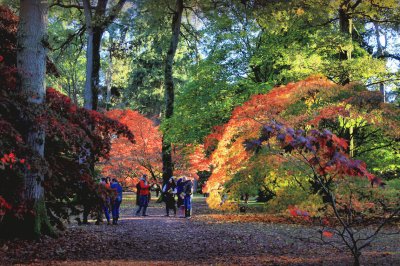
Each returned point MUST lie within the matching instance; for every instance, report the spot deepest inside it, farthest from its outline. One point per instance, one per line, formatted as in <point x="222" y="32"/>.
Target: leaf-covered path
<point x="204" y="240"/>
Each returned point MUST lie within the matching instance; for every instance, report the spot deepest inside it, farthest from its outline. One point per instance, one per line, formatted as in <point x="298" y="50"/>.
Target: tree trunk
<point x="169" y="89"/>
<point x="109" y="79"/>
<point x="96" y="25"/>
<point x="95" y="78"/>
<point x="346" y="27"/>
<point x="69" y="87"/>
<point x="74" y="88"/>
<point x="88" y="93"/>
<point x="379" y="54"/>
<point x="31" y="64"/>
<point x="356" y="257"/>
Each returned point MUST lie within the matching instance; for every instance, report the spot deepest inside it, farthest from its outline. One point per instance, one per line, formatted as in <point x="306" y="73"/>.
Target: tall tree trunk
<point x="109" y="79"/>
<point x="346" y="27"/>
<point x="31" y="64"/>
<point x="169" y="89"/>
<point x="95" y="78"/>
<point x="98" y="30"/>
<point x="88" y="93"/>
<point x="379" y="54"/>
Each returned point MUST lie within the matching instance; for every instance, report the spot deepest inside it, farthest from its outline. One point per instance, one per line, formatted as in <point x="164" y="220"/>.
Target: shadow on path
<point x="161" y="240"/>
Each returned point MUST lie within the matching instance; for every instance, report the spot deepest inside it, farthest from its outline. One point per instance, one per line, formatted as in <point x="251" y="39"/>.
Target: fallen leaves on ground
<point x="207" y="238"/>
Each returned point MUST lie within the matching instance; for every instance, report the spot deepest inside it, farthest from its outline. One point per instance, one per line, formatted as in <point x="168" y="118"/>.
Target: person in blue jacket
<point x="117" y="200"/>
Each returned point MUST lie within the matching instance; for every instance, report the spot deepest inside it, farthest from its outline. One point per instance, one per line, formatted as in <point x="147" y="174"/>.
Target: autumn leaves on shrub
<point x="303" y="146"/>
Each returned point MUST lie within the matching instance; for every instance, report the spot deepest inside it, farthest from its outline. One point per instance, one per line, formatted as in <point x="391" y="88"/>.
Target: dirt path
<point x="159" y="240"/>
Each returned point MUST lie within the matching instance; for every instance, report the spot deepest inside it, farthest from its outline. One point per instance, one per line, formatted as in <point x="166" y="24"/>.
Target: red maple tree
<point x="311" y="103"/>
<point x="129" y="160"/>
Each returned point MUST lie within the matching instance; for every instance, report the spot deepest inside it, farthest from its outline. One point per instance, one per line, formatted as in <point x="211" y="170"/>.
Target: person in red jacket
<point x="143" y="195"/>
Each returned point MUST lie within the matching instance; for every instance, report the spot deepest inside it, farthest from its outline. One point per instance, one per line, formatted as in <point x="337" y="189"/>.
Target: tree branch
<point x="113" y="13"/>
<point x="59" y="4"/>
<point x="70" y="37"/>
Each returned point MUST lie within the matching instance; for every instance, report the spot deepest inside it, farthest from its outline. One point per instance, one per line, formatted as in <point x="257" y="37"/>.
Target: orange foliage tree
<point x="312" y="103"/>
<point x="128" y="161"/>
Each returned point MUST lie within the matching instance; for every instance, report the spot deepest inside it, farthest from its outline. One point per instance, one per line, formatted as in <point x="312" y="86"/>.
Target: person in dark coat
<point x="169" y="191"/>
<point x="138" y="193"/>
<point x="187" y="191"/>
<point x="181" y="196"/>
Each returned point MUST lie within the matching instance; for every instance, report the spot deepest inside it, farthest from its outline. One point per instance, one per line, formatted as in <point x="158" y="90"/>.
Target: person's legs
<point x="144" y="203"/>
<point x="115" y="211"/>
<point x="99" y="211"/>
<point x="86" y="211"/>
<point x="106" y="213"/>
<point x="138" y="210"/>
<point x="117" y="208"/>
<point x="181" y="207"/>
<point x="140" y="205"/>
<point x="166" y="200"/>
<point x="188" y="205"/>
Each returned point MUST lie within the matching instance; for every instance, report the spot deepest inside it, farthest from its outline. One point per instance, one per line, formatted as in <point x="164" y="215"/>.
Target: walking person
<point x="138" y="193"/>
<point x="187" y="190"/>
<point x="169" y="191"/>
<point x="144" y="194"/>
<point x="117" y="200"/>
<point x="104" y="202"/>
<point x="181" y="196"/>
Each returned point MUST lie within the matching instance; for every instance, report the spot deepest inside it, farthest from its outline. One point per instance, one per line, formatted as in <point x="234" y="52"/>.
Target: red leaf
<point x="327" y="234"/>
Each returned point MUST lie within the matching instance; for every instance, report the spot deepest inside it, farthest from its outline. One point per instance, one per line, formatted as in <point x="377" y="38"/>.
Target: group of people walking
<point x="182" y="189"/>
<point x="113" y="202"/>
<point x="177" y="195"/>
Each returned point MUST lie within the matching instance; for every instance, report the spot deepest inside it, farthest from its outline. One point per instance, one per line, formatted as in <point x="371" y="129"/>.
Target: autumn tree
<point x="312" y="103"/>
<point x="129" y="160"/>
<point x="59" y="175"/>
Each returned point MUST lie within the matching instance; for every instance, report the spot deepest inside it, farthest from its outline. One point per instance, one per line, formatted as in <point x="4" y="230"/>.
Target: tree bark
<point x="95" y="78"/>
<point x="98" y="30"/>
<point x="74" y="88"/>
<point x="169" y="89"/>
<point x="380" y="54"/>
<point x="346" y="27"/>
<point x="88" y="93"/>
<point x="109" y="78"/>
<point x="31" y="64"/>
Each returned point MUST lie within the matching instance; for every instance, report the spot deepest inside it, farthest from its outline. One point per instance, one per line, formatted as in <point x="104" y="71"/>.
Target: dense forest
<point x="294" y="103"/>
